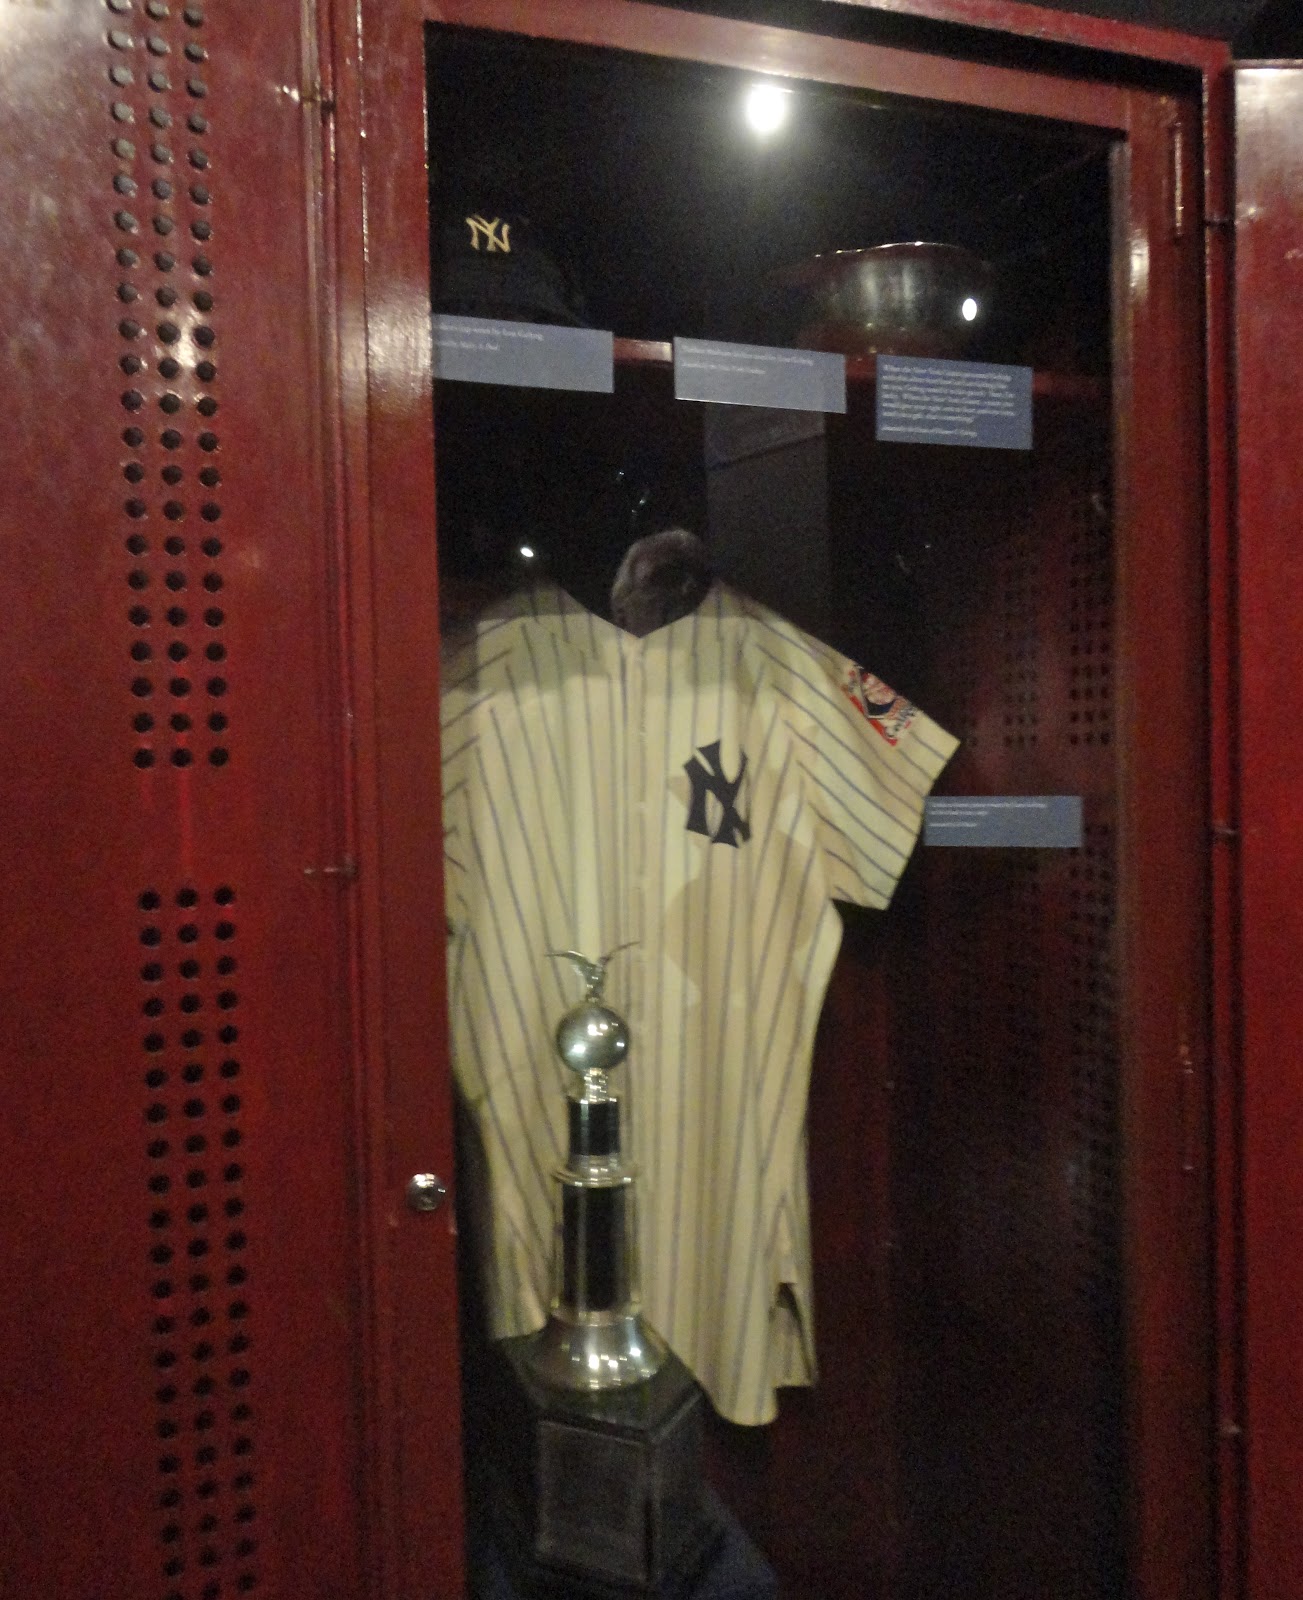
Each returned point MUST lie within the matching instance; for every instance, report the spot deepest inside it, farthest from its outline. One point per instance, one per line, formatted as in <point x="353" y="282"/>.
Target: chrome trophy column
<point x="595" y="1338"/>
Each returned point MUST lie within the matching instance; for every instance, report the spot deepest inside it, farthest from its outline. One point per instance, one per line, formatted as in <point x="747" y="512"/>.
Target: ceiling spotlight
<point x="527" y="552"/>
<point x="767" y="107"/>
<point x="968" y="311"/>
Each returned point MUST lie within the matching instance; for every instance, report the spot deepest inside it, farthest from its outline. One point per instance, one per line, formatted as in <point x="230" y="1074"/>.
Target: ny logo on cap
<point x="496" y="234"/>
<point x="708" y="778"/>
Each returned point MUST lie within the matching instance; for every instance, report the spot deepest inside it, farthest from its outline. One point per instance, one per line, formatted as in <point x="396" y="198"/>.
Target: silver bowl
<point x="917" y="298"/>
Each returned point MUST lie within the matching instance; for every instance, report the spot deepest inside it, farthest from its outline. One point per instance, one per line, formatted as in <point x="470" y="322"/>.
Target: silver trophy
<point x="595" y="1337"/>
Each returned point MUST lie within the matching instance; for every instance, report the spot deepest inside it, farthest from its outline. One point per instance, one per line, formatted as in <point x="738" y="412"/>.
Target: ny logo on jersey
<point x="496" y="234"/>
<point x="709" y="779"/>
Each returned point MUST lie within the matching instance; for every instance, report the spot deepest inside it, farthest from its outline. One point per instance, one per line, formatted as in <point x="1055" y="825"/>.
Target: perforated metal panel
<point x="1009" y="1138"/>
<point x="182" y="1342"/>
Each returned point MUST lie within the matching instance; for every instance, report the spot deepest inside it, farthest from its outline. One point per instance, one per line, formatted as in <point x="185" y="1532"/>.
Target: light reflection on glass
<point x="766" y="107"/>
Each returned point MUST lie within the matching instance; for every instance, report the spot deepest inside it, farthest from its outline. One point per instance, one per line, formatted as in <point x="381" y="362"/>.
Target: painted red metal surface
<point x="1033" y="22"/>
<point x="787" y="53"/>
<point x="1164" y="859"/>
<point x="1269" y="580"/>
<point x="179" y="1350"/>
<point x="1224" y="814"/>
<point x="387" y="475"/>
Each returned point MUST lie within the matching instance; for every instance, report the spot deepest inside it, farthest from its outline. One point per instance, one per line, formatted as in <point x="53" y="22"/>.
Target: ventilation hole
<point x="127" y="292"/>
<point x="161" y="153"/>
<point x="169" y="368"/>
<point x="198" y="158"/>
<point x="133" y="437"/>
<point x="173" y="545"/>
<point x="163" y="225"/>
<point x="160" y="118"/>
<point x="164" y="261"/>
<point x="143" y="758"/>
<point x="132" y="399"/>
<point x="177" y="617"/>
<point x="203" y="266"/>
<point x="170" y="402"/>
<point x="139" y="616"/>
<point x="214" y="617"/>
<point x="208" y="442"/>
<point x="214" y="652"/>
<point x="205" y="371"/>
<point x="217" y="687"/>
<point x="140" y="651"/>
<point x="170" y="439"/>
<point x="143" y="722"/>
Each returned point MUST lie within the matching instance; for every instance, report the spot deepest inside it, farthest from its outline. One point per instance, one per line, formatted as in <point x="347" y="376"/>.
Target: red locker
<point x="230" y="1348"/>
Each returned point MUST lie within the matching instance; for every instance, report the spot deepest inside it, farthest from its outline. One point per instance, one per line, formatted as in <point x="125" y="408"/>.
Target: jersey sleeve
<point x="869" y="759"/>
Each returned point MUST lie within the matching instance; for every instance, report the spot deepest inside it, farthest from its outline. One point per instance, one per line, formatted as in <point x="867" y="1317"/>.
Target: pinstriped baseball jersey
<point x="706" y="792"/>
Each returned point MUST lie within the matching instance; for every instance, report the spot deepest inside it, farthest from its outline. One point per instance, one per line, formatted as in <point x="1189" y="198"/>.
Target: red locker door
<point x="202" y="1294"/>
<point x="1269" y="356"/>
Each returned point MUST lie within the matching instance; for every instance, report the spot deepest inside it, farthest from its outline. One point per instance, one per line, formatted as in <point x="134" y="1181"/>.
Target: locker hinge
<point x="315" y="95"/>
<point x="1219" y="224"/>
<point x="1225" y="833"/>
<point x="346" y="871"/>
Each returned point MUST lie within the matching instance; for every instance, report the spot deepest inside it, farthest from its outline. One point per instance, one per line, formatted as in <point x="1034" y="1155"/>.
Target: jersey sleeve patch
<point x="889" y="713"/>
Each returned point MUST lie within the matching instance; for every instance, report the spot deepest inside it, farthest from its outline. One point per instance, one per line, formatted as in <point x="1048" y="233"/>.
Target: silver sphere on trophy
<point x="595" y="1337"/>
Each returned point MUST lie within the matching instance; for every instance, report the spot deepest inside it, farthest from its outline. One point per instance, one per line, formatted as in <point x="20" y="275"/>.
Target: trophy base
<point x="597" y="1354"/>
<point x="598" y="1496"/>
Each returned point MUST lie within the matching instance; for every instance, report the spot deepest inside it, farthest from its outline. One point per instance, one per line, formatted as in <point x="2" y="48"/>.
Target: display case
<point x="242" y="510"/>
<point x="979" y="1087"/>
